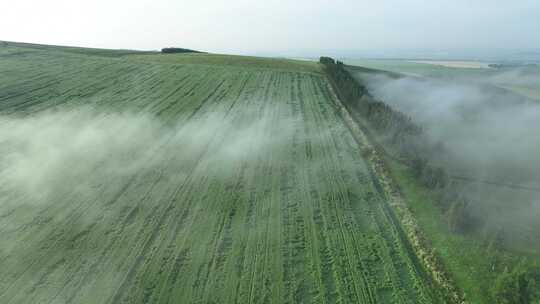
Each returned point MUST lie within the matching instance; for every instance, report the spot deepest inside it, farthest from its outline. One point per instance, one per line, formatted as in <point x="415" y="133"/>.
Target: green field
<point x="188" y="179"/>
<point x="531" y="93"/>
<point x="411" y="68"/>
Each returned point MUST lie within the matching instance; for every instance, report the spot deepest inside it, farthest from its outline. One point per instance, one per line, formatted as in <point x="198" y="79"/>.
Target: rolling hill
<point x="188" y="178"/>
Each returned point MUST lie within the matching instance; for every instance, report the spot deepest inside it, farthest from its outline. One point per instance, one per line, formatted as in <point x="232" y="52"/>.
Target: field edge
<point x="397" y="203"/>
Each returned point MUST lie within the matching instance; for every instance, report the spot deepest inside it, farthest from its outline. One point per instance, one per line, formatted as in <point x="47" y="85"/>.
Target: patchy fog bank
<point x="489" y="135"/>
<point x="77" y="150"/>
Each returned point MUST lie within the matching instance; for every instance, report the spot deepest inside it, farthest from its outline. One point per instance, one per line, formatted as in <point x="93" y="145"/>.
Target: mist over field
<point x="47" y="151"/>
<point x="488" y="134"/>
<point x="55" y="152"/>
<point x="522" y="76"/>
<point x="202" y="182"/>
<point x="157" y="151"/>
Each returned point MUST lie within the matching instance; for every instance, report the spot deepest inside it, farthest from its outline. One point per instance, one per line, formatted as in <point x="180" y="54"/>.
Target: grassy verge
<point x="473" y="265"/>
<point x="465" y="259"/>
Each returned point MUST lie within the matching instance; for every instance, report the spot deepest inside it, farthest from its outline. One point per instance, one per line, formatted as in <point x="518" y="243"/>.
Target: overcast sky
<point x="249" y="26"/>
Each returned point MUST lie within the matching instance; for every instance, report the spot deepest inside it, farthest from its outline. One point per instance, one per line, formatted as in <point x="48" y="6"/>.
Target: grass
<point x="251" y="190"/>
<point x="473" y="264"/>
<point x="233" y="61"/>
<point x="532" y="93"/>
<point x="464" y="257"/>
<point x="418" y="69"/>
<point x="70" y="49"/>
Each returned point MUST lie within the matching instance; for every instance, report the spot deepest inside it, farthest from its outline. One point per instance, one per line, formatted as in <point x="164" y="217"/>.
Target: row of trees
<point x="516" y="284"/>
<point x="406" y="138"/>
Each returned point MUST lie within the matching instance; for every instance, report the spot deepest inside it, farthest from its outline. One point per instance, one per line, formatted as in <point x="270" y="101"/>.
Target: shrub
<point x="172" y="50"/>
<point x="520" y="286"/>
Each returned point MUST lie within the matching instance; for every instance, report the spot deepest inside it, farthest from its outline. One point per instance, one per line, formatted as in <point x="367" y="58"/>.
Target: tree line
<point x="175" y="50"/>
<point x="403" y="136"/>
<point x="406" y="138"/>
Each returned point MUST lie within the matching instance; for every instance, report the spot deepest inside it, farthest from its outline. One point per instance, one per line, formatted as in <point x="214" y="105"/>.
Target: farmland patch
<point x="133" y="181"/>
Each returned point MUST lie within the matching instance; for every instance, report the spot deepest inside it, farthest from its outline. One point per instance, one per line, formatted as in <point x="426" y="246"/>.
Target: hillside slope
<point x="151" y="180"/>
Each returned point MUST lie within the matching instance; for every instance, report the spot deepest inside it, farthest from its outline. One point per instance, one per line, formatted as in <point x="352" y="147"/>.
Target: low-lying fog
<point x="490" y="134"/>
<point x="53" y="152"/>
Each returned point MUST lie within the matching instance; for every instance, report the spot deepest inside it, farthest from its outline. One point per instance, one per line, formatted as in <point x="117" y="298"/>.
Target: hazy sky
<point x="274" y="26"/>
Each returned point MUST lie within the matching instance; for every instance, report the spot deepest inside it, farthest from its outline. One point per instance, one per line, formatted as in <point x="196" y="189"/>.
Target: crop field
<point x="132" y="179"/>
<point x="426" y="68"/>
<point x="531" y="93"/>
<point x="457" y="64"/>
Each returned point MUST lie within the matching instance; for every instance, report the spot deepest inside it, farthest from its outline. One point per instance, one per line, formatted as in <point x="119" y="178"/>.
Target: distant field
<point x="532" y="93"/>
<point x="417" y="68"/>
<point x="232" y="61"/>
<point x="456" y="64"/>
<point x="26" y="47"/>
<point x="464" y="71"/>
<point x="187" y="178"/>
